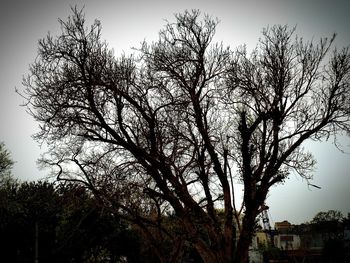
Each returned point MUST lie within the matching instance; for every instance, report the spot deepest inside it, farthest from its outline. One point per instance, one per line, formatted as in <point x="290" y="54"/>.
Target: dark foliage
<point x="72" y="226"/>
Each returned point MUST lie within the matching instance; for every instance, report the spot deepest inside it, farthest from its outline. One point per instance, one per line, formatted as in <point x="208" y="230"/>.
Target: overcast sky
<point x="127" y="23"/>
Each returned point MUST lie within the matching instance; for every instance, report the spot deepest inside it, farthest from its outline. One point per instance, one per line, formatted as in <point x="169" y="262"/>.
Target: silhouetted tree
<point x="171" y="129"/>
<point x="28" y="219"/>
<point x="6" y="164"/>
<point x="87" y="232"/>
<point x="284" y="93"/>
<point x="330" y="226"/>
<point x="62" y="224"/>
<point x="329" y="216"/>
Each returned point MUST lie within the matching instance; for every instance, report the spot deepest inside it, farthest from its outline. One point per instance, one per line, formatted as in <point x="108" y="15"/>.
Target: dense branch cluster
<point x="170" y="130"/>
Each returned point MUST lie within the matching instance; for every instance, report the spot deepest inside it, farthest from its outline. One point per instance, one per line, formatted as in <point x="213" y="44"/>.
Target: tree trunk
<point x="245" y="239"/>
<point x="214" y="255"/>
<point x="242" y="250"/>
<point x="207" y="255"/>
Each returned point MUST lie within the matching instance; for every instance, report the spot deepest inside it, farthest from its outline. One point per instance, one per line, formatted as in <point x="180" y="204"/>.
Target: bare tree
<point x="171" y="130"/>
<point x="281" y="95"/>
<point x="6" y="164"/>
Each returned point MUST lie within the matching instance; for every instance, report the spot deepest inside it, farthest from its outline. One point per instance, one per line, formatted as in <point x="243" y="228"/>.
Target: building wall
<point x="287" y="241"/>
<point x="283" y="226"/>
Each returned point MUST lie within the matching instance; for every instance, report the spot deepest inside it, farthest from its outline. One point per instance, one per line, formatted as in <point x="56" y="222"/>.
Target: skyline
<point x="126" y="25"/>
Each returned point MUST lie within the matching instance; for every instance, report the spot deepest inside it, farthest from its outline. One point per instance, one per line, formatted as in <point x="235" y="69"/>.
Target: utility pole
<point x="36" y="248"/>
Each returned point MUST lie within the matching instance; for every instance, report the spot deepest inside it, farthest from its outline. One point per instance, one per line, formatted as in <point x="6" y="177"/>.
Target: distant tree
<point x="28" y="219"/>
<point x="6" y="164"/>
<point x="329" y="216"/>
<point x="330" y="226"/>
<point x="63" y="224"/>
<point x="172" y="130"/>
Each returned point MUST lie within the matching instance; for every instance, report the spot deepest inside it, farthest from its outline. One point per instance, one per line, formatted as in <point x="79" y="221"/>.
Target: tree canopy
<point x="172" y="128"/>
<point x="63" y="223"/>
<point x="329" y="216"/>
<point x="6" y="163"/>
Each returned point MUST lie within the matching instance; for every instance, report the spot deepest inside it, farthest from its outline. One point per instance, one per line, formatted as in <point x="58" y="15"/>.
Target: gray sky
<point x="125" y="24"/>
